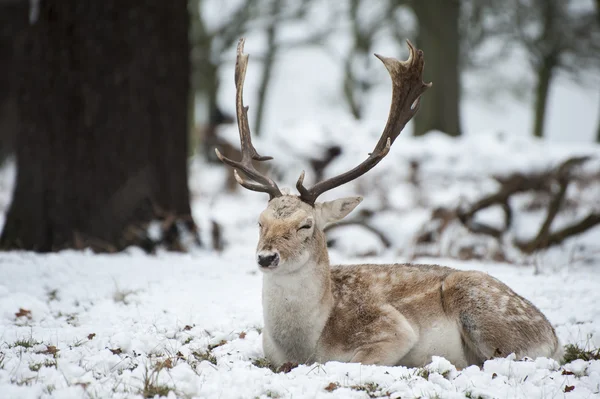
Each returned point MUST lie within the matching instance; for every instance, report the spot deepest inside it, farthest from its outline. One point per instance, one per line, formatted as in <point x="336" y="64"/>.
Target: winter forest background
<point x="127" y="264"/>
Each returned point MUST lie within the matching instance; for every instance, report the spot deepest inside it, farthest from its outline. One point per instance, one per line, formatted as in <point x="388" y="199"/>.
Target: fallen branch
<point x="560" y="177"/>
<point x="382" y="237"/>
<point x="559" y="236"/>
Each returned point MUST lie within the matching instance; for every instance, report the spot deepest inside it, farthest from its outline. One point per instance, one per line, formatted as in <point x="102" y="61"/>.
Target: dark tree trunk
<point x="439" y="38"/>
<point x="544" y="78"/>
<point x="14" y="20"/>
<point x="102" y="144"/>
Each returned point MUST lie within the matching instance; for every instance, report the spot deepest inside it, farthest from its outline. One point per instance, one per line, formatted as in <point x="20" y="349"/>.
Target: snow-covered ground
<point x="102" y="326"/>
<point x="75" y="324"/>
<point x="79" y="325"/>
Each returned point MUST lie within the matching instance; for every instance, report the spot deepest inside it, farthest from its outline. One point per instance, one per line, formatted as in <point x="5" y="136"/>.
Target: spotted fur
<point x="398" y="314"/>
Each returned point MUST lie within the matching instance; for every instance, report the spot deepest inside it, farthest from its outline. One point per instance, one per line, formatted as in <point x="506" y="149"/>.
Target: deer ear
<point x="334" y="211"/>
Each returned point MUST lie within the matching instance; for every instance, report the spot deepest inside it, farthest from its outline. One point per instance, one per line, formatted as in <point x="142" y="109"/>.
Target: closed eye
<point x="306" y="226"/>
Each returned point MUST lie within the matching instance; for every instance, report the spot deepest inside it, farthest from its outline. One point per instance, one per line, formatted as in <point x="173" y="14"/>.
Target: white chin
<point x="267" y="269"/>
<point x="292" y="266"/>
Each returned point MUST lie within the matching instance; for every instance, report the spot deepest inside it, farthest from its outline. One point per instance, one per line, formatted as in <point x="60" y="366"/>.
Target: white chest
<point x="294" y="320"/>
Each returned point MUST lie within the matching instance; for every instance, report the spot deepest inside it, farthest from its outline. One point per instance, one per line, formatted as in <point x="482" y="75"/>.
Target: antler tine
<point x="249" y="153"/>
<point x="407" y="88"/>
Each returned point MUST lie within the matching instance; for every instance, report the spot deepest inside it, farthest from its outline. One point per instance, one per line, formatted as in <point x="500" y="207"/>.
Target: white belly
<point x="439" y="339"/>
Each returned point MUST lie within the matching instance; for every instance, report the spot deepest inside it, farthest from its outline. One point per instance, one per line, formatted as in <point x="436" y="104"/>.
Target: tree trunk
<point x="14" y="20"/>
<point x="439" y="38"/>
<point x="544" y="77"/>
<point x="102" y="143"/>
<point x="267" y="66"/>
<point x="205" y="82"/>
<point x="352" y="92"/>
<point x="357" y="87"/>
<point x="598" y="127"/>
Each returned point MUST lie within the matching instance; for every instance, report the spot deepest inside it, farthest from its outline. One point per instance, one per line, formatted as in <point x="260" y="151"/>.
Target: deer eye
<point x="305" y="226"/>
<point x="259" y="225"/>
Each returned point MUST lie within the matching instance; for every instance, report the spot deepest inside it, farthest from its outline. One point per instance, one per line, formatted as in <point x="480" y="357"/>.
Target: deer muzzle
<point x="267" y="259"/>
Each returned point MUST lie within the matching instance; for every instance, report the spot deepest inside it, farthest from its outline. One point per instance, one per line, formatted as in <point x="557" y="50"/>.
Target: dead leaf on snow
<point x="332" y="386"/>
<point x="23" y="313"/>
<point x="51" y="350"/>
<point x="116" y="351"/>
<point x="168" y="364"/>
<point x="213" y="346"/>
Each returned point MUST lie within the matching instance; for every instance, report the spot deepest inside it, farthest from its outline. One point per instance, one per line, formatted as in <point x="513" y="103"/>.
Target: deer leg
<point x="396" y="338"/>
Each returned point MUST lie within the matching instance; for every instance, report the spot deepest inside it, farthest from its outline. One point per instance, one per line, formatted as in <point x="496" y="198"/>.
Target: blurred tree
<point x="208" y="46"/>
<point x="14" y="19"/>
<point x="274" y="9"/>
<point x="357" y="83"/>
<point x="102" y="143"/>
<point x="481" y="21"/>
<point x="559" y="36"/>
<point x="368" y="22"/>
<point x="279" y="12"/>
<point x="446" y="31"/>
<point x="439" y="37"/>
<point x="212" y="44"/>
<point x="598" y="20"/>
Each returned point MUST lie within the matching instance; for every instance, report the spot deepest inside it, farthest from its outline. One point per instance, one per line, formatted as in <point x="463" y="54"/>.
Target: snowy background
<point x="306" y="82"/>
<point x="75" y="324"/>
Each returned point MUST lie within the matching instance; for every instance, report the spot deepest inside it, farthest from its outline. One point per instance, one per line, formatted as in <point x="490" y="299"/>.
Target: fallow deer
<point x="398" y="314"/>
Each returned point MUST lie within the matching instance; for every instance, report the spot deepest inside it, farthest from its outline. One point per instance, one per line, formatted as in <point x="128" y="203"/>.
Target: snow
<point x="103" y="326"/>
<point x="75" y="324"/>
<point x="149" y="309"/>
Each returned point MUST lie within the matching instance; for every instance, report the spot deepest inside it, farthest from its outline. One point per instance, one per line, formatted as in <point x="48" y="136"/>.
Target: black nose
<point x="268" y="260"/>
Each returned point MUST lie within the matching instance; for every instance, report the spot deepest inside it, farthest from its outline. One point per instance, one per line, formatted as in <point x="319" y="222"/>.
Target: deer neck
<point x="296" y="306"/>
<point x="309" y="286"/>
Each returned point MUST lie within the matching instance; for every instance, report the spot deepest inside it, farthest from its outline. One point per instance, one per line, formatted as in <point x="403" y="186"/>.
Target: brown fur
<point x="383" y="314"/>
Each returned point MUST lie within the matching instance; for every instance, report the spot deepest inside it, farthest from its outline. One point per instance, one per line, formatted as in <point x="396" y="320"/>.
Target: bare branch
<point x="517" y="183"/>
<point x="382" y="237"/>
<point x="559" y="236"/>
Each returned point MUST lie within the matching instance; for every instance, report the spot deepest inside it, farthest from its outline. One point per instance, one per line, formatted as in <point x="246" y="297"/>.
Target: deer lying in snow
<point x="398" y="314"/>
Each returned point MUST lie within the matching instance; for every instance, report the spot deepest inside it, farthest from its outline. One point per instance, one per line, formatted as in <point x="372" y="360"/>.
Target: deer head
<point x="291" y="227"/>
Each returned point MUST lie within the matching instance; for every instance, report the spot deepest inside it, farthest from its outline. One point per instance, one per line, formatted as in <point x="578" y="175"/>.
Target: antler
<point x="408" y="85"/>
<point x="261" y="182"/>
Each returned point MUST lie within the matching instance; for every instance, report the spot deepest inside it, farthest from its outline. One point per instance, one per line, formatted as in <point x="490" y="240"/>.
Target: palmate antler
<point x="407" y="88"/>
